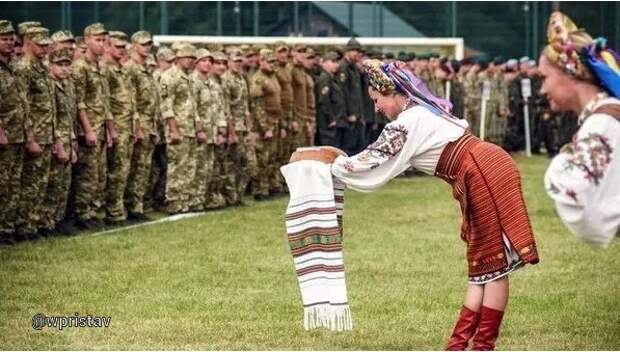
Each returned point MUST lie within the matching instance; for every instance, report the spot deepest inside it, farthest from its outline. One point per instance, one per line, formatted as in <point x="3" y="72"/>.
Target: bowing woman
<point x="485" y="181"/>
<point x="582" y="75"/>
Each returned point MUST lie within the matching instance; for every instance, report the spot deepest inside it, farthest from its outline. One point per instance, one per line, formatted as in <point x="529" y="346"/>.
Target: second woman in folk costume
<point x="582" y="75"/>
<point x="484" y="179"/>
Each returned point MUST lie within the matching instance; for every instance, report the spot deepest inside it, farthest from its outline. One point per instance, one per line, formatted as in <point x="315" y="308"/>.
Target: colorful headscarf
<point x="580" y="56"/>
<point x="395" y="76"/>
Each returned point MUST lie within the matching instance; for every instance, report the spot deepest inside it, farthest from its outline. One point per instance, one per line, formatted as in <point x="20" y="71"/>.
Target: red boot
<point x="464" y="329"/>
<point x="488" y="329"/>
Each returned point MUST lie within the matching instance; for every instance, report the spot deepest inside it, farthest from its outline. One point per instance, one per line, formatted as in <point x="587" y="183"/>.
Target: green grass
<point x="225" y="280"/>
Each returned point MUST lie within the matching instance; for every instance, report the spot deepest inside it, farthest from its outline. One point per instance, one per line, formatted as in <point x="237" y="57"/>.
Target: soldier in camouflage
<point x="178" y="108"/>
<point x="38" y="86"/>
<point x="300" y="96"/>
<point x="122" y="106"/>
<point x="65" y="142"/>
<point x="145" y="134"/>
<point x="267" y="111"/>
<point x="95" y="130"/>
<point x="237" y="95"/>
<point x="13" y="112"/>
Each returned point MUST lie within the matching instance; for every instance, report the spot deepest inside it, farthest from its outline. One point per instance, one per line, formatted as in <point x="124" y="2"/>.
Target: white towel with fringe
<point x="314" y="227"/>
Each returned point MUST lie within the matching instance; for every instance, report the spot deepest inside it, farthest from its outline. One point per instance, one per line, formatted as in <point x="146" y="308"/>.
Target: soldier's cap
<point x="403" y="56"/>
<point x="280" y="45"/>
<point x="512" y="63"/>
<point x="23" y="26"/>
<point x="165" y="53"/>
<point x="434" y="55"/>
<point x="424" y="56"/>
<point x="331" y="56"/>
<point x="456" y="65"/>
<point x="412" y="56"/>
<point x="389" y="56"/>
<point x="6" y="27"/>
<point x="219" y="56"/>
<point x="236" y="55"/>
<point x="186" y="50"/>
<point x="467" y="61"/>
<point x="267" y="55"/>
<point x="118" y="38"/>
<point x="79" y="41"/>
<point x="60" y="55"/>
<point x="95" y="29"/>
<point x="524" y="59"/>
<point x="310" y="53"/>
<point x="300" y="48"/>
<point x="63" y="36"/>
<point x="203" y="53"/>
<point x="215" y="47"/>
<point x="176" y="45"/>
<point x="498" y="60"/>
<point x="38" y="35"/>
<point x="532" y="63"/>
<point x="353" y="44"/>
<point x="250" y="51"/>
<point x="142" y="38"/>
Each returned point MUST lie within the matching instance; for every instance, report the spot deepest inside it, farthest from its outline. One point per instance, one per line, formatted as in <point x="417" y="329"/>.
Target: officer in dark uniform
<point x="349" y="131"/>
<point x="330" y="101"/>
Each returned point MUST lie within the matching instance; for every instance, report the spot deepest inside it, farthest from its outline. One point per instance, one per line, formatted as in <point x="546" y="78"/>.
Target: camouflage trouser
<point x="250" y="143"/>
<point x="119" y="162"/>
<point x="472" y="115"/>
<point x="11" y="159"/>
<point x="181" y="163"/>
<point x="58" y="184"/>
<point x="35" y="174"/>
<point x="237" y="165"/>
<point x="217" y="184"/>
<point x="265" y="157"/>
<point x="308" y="135"/>
<point x="495" y="126"/>
<point x="199" y="181"/>
<point x="138" y="182"/>
<point x="90" y="181"/>
<point x="276" y="181"/>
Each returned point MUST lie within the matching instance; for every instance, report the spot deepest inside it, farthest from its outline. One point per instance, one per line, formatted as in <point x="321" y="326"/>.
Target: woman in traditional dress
<point x="485" y="180"/>
<point x="582" y="75"/>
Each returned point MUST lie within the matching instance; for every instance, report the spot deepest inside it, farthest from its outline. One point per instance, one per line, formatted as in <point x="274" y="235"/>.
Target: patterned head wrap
<point x="580" y="56"/>
<point x="395" y="76"/>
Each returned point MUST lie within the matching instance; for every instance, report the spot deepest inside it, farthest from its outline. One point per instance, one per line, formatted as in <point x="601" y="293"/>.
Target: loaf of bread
<point x="322" y="154"/>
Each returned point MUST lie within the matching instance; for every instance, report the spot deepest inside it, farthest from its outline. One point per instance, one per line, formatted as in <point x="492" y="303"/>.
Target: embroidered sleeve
<point x="381" y="161"/>
<point x="578" y="180"/>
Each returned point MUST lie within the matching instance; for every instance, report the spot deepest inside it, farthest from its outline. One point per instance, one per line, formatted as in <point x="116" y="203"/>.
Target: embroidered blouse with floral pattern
<point x="416" y="138"/>
<point x="584" y="178"/>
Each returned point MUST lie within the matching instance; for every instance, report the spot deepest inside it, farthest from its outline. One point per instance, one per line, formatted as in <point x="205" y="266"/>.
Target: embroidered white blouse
<point x="584" y="178"/>
<point x="416" y="138"/>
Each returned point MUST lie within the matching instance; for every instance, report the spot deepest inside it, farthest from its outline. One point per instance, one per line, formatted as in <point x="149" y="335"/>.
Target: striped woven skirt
<point x="495" y="224"/>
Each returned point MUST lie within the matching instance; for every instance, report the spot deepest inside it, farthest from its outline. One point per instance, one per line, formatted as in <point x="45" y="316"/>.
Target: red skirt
<point x="487" y="184"/>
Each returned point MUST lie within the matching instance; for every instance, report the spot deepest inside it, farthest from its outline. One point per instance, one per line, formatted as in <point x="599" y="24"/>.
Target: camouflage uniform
<point x="13" y="112"/>
<point x="39" y="89"/>
<point x="178" y="103"/>
<point x="285" y="79"/>
<point x="495" y="122"/>
<point x="472" y="88"/>
<point x="300" y="101"/>
<point x="237" y="94"/>
<point x="147" y="103"/>
<point x="122" y="106"/>
<point x="220" y="191"/>
<point x="60" y="172"/>
<point x="267" y="111"/>
<point x="92" y="94"/>
<point x="205" y="152"/>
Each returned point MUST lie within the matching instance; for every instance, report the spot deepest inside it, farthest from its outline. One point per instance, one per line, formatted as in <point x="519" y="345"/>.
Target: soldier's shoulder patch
<point x="343" y="77"/>
<point x="325" y="90"/>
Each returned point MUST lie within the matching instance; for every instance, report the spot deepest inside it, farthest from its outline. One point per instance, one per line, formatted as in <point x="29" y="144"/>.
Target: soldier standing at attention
<point x="330" y="103"/>
<point x="122" y="106"/>
<point x="156" y="194"/>
<point x="95" y="129"/>
<point x="309" y="128"/>
<point x="13" y="111"/>
<point x="285" y="79"/>
<point x="178" y="108"/>
<point x="207" y="131"/>
<point x="145" y="133"/>
<point x="300" y="98"/>
<point x="349" y="135"/>
<point x="36" y="83"/>
<point x="65" y="141"/>
<point x="237" y="94"/>
<point x="265" y="96"/>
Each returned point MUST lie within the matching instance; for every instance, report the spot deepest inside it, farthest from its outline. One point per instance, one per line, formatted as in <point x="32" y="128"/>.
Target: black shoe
<point x="260" y="197"/>
<point x="96" y="224"/>
<point x="43" y="232"/>
<point x="138" y="217"/>
<point x="9" y="239"/>
<point x="83" y="225"/>
<point x="114" y="222"/>
<point x="67" y="228"/>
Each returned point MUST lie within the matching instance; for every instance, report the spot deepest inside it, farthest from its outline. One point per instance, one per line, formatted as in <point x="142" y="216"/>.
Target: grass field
<point x="225" y="280"/>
